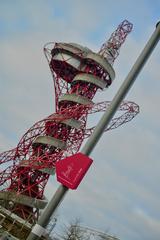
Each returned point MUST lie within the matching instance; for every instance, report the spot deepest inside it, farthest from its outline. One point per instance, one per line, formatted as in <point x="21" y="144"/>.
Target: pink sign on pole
<point x="71" y="170"/>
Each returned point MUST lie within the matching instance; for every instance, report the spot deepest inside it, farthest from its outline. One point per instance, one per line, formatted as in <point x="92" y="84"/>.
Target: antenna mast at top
<point x="110" y="49"/>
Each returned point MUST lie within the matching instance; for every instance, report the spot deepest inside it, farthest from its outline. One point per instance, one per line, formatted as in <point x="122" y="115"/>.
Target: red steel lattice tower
<point x="78" y="73"/>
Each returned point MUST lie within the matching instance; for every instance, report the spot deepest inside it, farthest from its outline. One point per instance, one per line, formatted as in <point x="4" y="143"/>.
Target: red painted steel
<point x="26" y="169"/>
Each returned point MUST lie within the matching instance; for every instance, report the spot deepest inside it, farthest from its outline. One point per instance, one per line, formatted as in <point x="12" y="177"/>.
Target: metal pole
<point x="39" y="229"/>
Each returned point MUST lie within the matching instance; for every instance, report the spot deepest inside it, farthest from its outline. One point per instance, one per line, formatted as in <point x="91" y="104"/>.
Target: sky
<point x="121" y="191"/>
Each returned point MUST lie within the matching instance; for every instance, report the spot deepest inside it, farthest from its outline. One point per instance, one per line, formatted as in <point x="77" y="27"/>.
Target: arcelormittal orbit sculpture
<point x="78" y="73"/>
